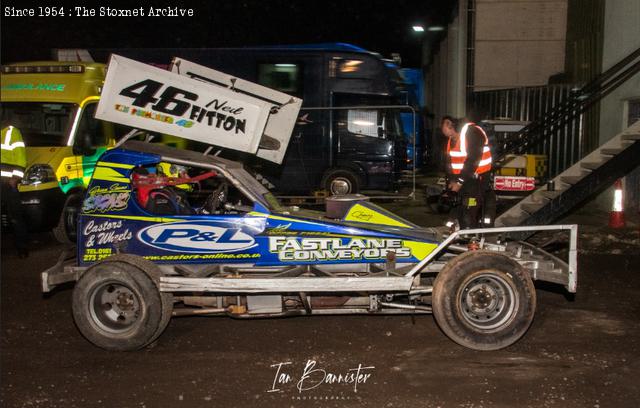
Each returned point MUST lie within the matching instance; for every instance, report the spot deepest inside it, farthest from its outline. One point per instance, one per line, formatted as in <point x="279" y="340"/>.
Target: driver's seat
<point x="168" y="200"/>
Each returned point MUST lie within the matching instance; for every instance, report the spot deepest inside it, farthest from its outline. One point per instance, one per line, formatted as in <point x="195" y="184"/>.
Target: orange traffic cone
<point x="616" y="216"/>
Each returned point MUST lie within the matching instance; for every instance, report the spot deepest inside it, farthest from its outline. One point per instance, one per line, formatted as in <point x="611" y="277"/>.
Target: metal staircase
<point x="595" y="172"/>
<point x="566" y="111"/>
<point x="591" y="174"/>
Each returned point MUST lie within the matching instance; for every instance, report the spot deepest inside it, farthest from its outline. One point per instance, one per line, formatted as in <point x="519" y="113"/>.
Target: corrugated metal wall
<point x="565" y="145"/>
<point x="585" y="27"/>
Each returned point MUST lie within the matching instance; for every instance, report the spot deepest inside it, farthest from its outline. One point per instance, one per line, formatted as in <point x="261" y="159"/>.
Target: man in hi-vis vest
<point x="469" y="159"/>
<point x="13" y="163"/>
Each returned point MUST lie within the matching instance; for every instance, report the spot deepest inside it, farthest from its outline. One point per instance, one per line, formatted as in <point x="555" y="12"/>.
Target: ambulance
<point x="53" y="104"/>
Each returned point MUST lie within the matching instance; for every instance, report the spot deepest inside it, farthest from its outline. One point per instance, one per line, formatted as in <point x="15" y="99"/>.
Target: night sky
<point x="382" y="26"/>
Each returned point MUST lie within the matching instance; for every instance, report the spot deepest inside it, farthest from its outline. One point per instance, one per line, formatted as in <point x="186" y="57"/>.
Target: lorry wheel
<point x="117" y="306"/>
<point x="484" y="300"/>
<point x="341" y="182"/>
<point x="66" y="230"/>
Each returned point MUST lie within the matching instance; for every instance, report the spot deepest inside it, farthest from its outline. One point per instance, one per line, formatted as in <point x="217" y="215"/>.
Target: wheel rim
<point x="114" y="307"/>
<point x="340" y="186"/>
<point x="488" y="301"/>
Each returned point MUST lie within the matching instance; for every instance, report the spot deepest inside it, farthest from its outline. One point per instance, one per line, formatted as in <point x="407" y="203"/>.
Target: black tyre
<point x="341" y="182"/>
<point x="484" y="300"/>
<point x="154" y="272"/>
<point x="66" y="230"/>
<point x="117" y="306"/>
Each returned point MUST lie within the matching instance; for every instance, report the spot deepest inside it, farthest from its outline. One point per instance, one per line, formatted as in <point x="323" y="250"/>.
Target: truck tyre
<point x="341" y="182"/>
<point x="66" y="230"/>
<point x="483" y="300"/>
<point x="117" y="306"/>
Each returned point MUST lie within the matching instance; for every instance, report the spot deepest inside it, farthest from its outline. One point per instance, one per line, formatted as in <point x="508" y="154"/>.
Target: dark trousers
<point x="476" y="206"/>
<point x="15" y="213"/>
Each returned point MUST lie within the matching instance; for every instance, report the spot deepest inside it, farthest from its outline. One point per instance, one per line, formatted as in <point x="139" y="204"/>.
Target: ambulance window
<point x="91" y="130"/>
<point x="284" y="77"/>
<point x="41" y="124"/>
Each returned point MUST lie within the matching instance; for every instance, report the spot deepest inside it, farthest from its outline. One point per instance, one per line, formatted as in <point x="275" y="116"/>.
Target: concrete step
<point x="631" y="136"/>
<point x="611" y="152"/>
<point x="591" y="165"/>
<point x="531" y="208"/>
<point x="550" y="195"/>
<point x="509" y="221"/>
<point x="571" y="179"/>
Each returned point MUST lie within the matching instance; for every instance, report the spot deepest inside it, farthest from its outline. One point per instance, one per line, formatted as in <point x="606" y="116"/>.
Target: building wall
<point x="445" y="82"/>
<point x="518" y="42"/>
<point x="621" y="37"/>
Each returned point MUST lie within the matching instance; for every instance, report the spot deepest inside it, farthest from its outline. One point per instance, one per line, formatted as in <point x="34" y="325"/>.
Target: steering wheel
<point x="216" y="199"/>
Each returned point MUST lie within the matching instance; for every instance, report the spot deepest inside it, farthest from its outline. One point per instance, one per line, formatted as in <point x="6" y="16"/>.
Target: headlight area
<point x="38" y="174"/>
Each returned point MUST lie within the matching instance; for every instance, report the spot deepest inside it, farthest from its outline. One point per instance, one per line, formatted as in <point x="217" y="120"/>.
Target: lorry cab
<point x="53" y="104"/>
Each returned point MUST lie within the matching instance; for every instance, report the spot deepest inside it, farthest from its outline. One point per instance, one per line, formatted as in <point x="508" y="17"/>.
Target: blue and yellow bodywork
<point x="113" y="221"/>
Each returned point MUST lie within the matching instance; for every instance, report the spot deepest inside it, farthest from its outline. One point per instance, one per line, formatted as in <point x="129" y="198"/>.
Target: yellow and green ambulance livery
<point x="53" y="105"/>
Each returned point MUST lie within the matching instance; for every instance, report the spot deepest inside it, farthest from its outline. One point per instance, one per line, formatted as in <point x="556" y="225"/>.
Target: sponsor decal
<point x="330" y="249"/>
<point x="196" y="237"/>
<point x="104" y="233"/>
<point x="101" y="199"/>
<point x="150" y="98"/>
<point x="96" y="254"/>
<point x="362" y="215"/>
<point x="197" y="257"/>
<point x="168" y="102"/>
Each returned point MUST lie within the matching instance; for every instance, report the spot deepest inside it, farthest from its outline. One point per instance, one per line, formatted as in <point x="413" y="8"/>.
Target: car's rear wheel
<point x="484" y="300"/>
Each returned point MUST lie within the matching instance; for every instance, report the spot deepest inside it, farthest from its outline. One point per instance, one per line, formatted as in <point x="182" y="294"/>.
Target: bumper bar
<point x="63" y="271"/>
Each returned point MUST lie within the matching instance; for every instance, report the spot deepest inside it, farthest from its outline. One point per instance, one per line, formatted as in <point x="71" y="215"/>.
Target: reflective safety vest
<point x="14" y="155"/>
<point x="458" y="152"/>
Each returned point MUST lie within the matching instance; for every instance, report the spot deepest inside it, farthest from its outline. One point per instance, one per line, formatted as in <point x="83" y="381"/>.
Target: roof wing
<point x="146" y="97"/>
<point x="284" y="110"/>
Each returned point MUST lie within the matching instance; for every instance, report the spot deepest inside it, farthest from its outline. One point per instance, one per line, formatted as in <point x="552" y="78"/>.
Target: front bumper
<point x="63" y="271"/>
<point x="42" y="207"/>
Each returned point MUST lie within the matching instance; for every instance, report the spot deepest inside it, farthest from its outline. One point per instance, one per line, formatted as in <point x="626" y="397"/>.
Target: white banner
<point x="146" y="97"/>
<point x="282" y="119"/>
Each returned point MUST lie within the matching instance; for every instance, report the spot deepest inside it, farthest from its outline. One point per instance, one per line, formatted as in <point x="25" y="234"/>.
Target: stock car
<point x="165" y="232"/>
